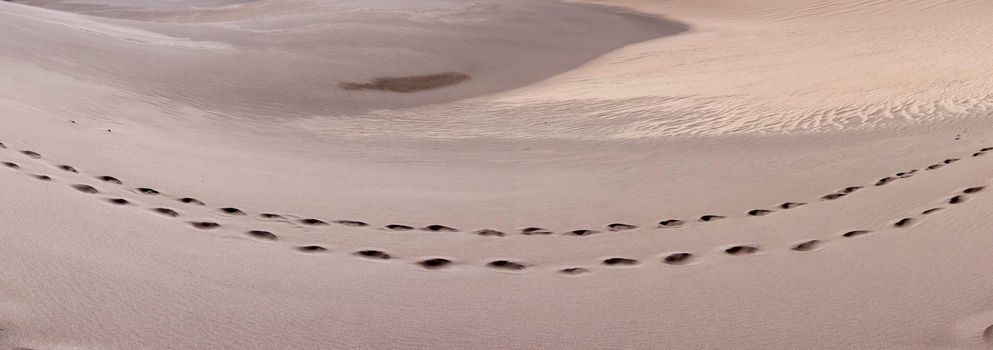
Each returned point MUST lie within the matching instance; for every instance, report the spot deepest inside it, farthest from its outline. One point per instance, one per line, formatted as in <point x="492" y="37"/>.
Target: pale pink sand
<point x="581" y="150"/>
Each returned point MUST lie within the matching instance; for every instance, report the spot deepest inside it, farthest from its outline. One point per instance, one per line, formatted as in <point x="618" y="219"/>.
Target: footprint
<point x="271" y="216"/>
<point x="855" y="233"/>
<point x="68" y="168"/>
<point x="935" y="166"/>
<point x="573" y="271"/>
<point x="205" y="225"/>
<point x="620" y="262"/>
<point x="506" y="265"/>
<point x="930" y="211"/>
<point x="621" y="227"/>
<point x="43" y="177"/>
<point x="395" y="227"/>
<point x="490" y="233"/>
<point x="233" y="211"/>
<point x="262" y="235"/>
<point x="118" y="201"/>
<point x="32" y="154"/>
<point x="535" y="231"/>
<point x="85" y="188"/>
<point x="790" y="205"/>
<point x="373" y="254"/>
<point x="904" y="222"/>
<point x="678" y="259"/>
<point x="439" y="228"/>
<point x="885" y="180"/>
<point x="807" y="246"/>
<point x="958" y="199"/>
<point x="148" y="191"/>
<point x="759" y="212"/>
<point x="671" y="223"/>
<point x="351" y="223"/>
<point x="741" y="250"/>
<point x="2" y="146"/>
<point x="977" y="154"/>
<point x="166" y="212"/>
<point x="110" y="179"/>
<point x="189" y="200"/>
<point x="851" y="189"/>
<point x="435" y="263"/>
<point x="986" y="149"/>
<point x="313" y="222"/>
<point x="583" y="232"/>
<point x="832" y="196"/>
<point x="906" y="174"/>
<point x="312" y="249"/>
<point x="951" y="160"/>
<point x="712" y="217"/>
<point x="11" y="165"/>
<point x="973" y="189"/>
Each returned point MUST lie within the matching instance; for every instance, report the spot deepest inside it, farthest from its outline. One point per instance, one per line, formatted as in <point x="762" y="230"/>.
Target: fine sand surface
<point x="748" y="174"/>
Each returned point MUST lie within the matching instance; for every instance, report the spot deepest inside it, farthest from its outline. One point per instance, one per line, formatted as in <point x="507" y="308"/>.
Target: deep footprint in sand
<point x="671" y="223"/>
<point x="373" y="254"/>
<point x="312" y="249"/>
<point x="855" y="233"/>
<point x="905" y="222"/>
<point x="68" y="168"/>
<point x="620" y="262"/>
<point x="582" y="232"/>
<point x="147" y="191"/>
<point x="832" y="196"/>
<point x="32" y="154"/>
<point x="118" y="201"/>
<point x="313" y="222"/>
<point x="807" y="246"/>
<point x="435" y="263"/>
<point x="741" y="250"/>
<point x="621" y="227"/>
<point x="85" y="188"/>
<point x="439" y="228"/>
<point x="110" y="179"/>
<point x="260" y="234"/>
<point x="680" y="258"/>
<point x="506" y="265"/>
<point x="759" y="212"/>
<point x="205" y="225"/>
<point x="489" y="233"/>
<point x="708" y="218"/>
<point x="232" y="211"/>
<point x="11" y="165"/>
<point x="193" y="201"/>
<point x="535" y="231"/>
<point x="971" y="190"/>
<point x="573" y="271"/>
<point x="885" y="180"/>
<point x="931" y="211"/>
<point x="958" y="199"/>
<point x="351" y="223"/>
<point x="166" y="212"/>
<point x="395" y="227"/>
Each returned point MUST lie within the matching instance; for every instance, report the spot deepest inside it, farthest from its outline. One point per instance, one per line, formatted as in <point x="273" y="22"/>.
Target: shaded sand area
<point x="662" y="195"/>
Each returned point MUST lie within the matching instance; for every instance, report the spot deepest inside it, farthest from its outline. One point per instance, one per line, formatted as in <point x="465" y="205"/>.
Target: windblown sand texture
<point x="496" y="174"/>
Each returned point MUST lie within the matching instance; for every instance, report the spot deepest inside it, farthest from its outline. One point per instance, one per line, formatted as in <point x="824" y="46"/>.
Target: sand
<point x="756" y="174"/>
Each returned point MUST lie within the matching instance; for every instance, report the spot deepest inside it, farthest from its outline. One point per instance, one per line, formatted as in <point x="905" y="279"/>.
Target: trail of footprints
<point x="439" y="263"/>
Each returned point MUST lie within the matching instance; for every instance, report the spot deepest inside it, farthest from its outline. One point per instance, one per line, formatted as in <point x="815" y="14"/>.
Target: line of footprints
<point x="437" y="263"/>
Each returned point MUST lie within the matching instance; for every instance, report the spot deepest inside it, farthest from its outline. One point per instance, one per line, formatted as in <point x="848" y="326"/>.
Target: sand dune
<point x="748" y="174"/>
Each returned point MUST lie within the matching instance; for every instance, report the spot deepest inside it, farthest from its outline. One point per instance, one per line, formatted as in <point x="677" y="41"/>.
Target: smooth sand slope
<point x="786" y="174"/>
